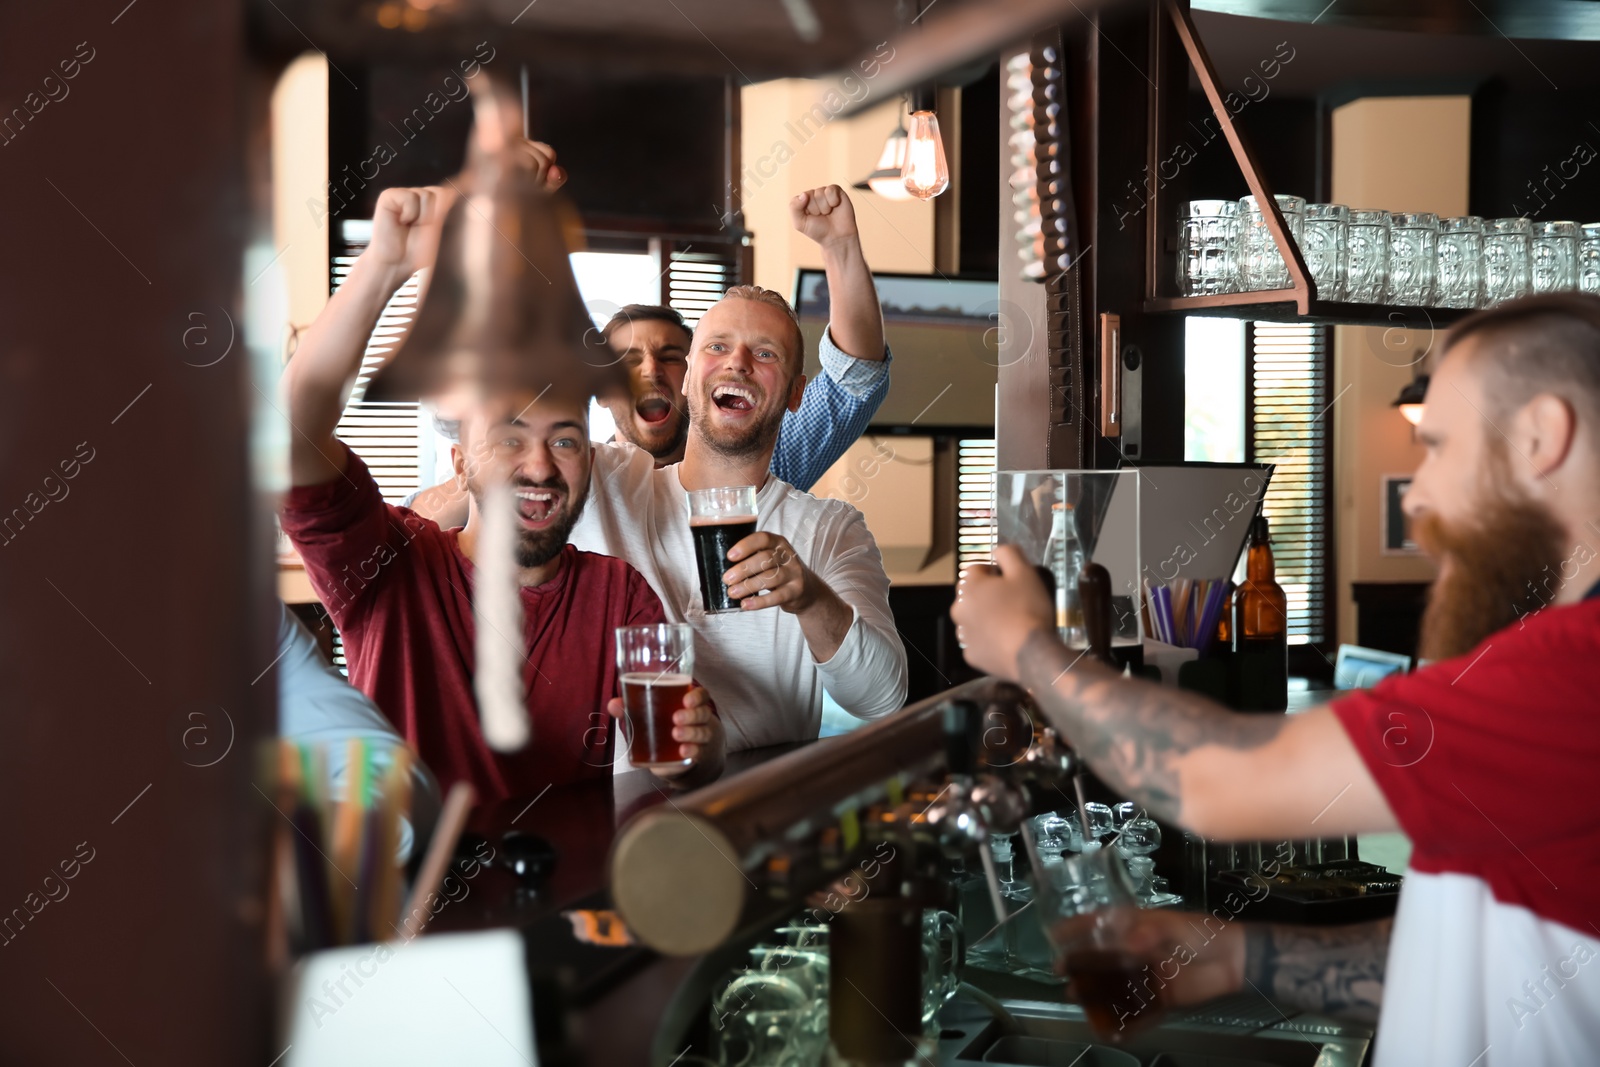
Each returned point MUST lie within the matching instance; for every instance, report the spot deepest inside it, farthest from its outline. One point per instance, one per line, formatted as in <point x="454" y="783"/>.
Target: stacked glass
<point x="1208" y="248"/>
<point x="1460" y="270"/>
<point x="1413" y="246"/>
<point x="1554" y="257"/>
<point x="1326" y="248"/>
<point x="1367" y="275"/>
<point x="1261" y="265"/>
<point x="1507" y="250"/>
<point x="1589" y="257"/>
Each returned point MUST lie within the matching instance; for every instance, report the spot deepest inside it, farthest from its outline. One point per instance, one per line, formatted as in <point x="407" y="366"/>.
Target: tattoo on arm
<point x="1132" y="732"/>
<point x="1330" y="970"/>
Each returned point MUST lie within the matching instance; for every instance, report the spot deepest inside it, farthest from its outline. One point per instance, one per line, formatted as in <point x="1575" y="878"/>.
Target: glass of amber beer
<point x="1085" y="901"/>
<point x="656" y="666"/>
<point x="719" y="519"/>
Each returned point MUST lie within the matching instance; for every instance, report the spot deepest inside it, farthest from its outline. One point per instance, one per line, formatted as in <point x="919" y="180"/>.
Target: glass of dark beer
<point x="1086" y="901"/>
<point x="719" y="519"/>
<point x="656" y="666"/>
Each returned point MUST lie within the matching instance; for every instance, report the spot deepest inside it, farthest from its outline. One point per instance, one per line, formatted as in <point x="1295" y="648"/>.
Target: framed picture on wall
<point x="1397" y="540"/>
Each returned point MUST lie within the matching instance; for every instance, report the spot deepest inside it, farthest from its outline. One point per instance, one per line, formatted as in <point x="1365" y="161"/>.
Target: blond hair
<point x="775" y="299"/>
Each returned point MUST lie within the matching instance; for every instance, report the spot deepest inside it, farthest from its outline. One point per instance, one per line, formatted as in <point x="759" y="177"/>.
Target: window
<point x="1213" y="390"/>
<point x="1290" y="371"/>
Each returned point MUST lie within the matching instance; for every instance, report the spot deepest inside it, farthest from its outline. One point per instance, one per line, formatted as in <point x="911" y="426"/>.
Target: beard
<point x="535" y="548"/>
<point x="1493" y="571"/>
<point x="734" y="442"/>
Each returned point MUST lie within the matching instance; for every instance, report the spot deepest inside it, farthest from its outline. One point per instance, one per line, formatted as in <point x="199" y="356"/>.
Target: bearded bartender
<point x="1485" y="757"/>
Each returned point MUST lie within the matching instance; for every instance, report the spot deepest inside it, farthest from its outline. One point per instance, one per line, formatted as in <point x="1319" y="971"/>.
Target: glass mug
<point x="1589" y="257"/>
<point x="1094" y="889"/>
<point x="1507" y="250"/>
<point x="1327" y="248"/>
<point x="655" y="664"/>
<point x="1459" y="278"/>
<point x="1208" y="247"/>
<point x="1553" y="257"/>
<point x="1413" y="248"/>
<point x="1261" y="265"/>
<point x="1367" y="273"/>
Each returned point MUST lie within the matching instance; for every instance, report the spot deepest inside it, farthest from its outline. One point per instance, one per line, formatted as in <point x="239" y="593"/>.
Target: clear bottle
<point x="1065" y="557"/>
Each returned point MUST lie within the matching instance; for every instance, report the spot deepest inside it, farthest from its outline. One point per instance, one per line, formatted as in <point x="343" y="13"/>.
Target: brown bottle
<point x="1260" y="629"/>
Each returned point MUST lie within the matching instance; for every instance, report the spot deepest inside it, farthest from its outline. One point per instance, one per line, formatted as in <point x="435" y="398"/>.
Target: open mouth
<point x="733" y="398"/>
<point x="536" y="507"/>
<point x="653" y="411"/>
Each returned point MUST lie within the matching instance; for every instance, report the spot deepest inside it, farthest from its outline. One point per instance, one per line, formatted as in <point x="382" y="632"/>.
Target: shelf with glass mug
<point x="1374" y="268"/>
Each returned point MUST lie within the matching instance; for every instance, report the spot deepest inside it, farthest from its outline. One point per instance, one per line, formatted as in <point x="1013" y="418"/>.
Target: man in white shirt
<point x="814" y="596"/>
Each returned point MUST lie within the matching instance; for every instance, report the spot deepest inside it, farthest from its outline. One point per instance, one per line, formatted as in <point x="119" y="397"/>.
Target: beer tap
<point x="973" y="807"/>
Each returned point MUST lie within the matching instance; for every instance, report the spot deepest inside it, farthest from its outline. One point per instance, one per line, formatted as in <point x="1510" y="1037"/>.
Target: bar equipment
<point x="1208" y="247"/>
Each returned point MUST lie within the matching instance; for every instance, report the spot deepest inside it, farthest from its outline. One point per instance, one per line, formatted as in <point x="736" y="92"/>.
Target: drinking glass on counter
<point x="1554" y="257"/>
<point x="1367" y="274"/>
<point x="1261" y="265"/>
<point x="1208" y="247"/>
<point x="1327" y="248"/>
<point x="656" y="666"/>
<point x="1413" y="245"/>
<point x="1507" y="249"/>
<point x="719" y="519"/>
<point x="1085" y="902"/>
<point x="1589" y="257"/>
<point x="1460" y="271"/>
<point x="944" y="950"/>
<point x="761" y="1017"/>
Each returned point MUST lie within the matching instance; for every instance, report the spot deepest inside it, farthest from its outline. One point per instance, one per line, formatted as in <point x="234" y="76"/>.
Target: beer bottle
<point x="1260" y="629"/>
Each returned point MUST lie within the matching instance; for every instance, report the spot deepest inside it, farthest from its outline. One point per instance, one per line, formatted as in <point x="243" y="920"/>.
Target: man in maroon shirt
<point x="399" y="588"/>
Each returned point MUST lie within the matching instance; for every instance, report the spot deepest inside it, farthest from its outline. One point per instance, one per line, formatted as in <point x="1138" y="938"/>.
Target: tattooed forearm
<point x="1330" y="970"/>
<point x="1131" y="732"/>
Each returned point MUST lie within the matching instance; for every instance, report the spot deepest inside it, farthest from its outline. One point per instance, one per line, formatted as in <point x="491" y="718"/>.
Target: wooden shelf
<point x="1282" y="305"/>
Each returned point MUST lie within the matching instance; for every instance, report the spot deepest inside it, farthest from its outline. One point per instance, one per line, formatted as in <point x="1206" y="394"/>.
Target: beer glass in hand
<point x="718" y="520"/>
<point x="1085" y="901"/>
<point x="656" y="665"/>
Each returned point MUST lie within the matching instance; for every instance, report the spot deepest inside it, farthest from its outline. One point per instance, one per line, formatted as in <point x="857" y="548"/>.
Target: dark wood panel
<point x="135" y="609"/>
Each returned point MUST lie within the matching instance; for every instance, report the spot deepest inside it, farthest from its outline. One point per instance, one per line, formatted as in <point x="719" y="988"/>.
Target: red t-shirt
<point x="400" y="592"/>
<point x="1490" y="764"/>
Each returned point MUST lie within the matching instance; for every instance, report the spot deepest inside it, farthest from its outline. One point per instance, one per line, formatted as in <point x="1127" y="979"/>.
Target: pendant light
<point x="887" y="179"/>
<point x="1411" y="399"/>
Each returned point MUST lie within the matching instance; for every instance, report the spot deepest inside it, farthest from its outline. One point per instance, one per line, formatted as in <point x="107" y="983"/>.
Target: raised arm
<point x="855" y="318"/>
<point x="318" y="379"/>
<point x="1190" y="761"/>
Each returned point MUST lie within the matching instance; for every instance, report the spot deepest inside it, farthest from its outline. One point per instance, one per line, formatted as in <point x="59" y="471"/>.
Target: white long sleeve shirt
<point x="756" y="665"/>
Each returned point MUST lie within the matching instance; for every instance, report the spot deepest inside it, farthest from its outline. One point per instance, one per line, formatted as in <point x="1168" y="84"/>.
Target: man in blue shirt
<point x="836" y="406"/>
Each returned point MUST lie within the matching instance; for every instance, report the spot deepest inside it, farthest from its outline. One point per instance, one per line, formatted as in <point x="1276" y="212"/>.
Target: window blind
<point x="387" y="437"/>
<point x="696" y="278"/>
<point x="1289" y="386"/>
<point x="975" y="525"/>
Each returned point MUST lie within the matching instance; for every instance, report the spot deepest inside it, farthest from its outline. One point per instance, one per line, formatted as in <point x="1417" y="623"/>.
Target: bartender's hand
<point x="825" y="215"/>
<point x="541" y="159"/>
<point x="698" y="731"/>
<point x="995" y="614"/>
<point x="1174" y="945"/>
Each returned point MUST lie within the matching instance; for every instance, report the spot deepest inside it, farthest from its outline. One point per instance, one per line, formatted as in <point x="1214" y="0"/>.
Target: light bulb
<point x="926" y="174"/>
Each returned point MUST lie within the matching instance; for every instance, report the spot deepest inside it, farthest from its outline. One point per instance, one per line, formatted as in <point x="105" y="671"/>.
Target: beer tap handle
<point x="996" y="897"/>
<point x="1094" y="593"/>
